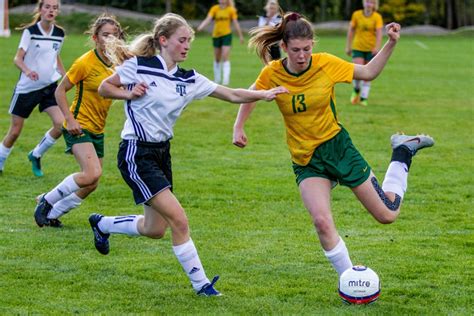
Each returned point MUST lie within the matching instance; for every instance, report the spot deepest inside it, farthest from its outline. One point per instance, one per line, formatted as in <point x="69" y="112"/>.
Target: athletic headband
<point x="294" y="16"/>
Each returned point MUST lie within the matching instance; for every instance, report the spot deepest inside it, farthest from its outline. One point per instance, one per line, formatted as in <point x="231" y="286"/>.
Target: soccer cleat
<point x="35" y="164"/>
<point x="101" y="240"/>
<point x="355" y="97"/>
<point x="42" y="211"/>
<point x="56" y="223"/>
<point x="413" y="143"/>
<point x="364" y="102"/>
<point x="208" y="289"/>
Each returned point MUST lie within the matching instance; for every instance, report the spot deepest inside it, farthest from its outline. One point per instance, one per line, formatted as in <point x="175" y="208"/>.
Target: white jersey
<point x="42" y="50"/>
<point x="274" y="20"/>
<point x="151" y="118"/>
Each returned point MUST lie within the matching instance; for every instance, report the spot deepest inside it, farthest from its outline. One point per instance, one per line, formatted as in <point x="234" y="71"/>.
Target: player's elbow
<point x="103" y="91"/>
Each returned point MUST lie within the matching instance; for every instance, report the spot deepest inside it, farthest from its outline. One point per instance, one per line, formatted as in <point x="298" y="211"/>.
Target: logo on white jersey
<point x="181" y="89"/>
<point x="153" y="84"/>
<point x="55" y="46"/>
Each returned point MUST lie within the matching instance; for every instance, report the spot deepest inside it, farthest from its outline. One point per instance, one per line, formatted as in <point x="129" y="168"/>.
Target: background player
<point x="38" y="59"/>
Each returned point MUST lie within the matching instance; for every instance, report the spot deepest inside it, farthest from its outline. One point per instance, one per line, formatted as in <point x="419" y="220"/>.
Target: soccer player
<point x="38" y="59"/>
<point x="364" y="39"/>
<point x="272" y="17"/>
<point x="84" y="125"/>
<point x="156" y="90"/>
<point x="223" y="14"/>
<point x="321" y="149"/>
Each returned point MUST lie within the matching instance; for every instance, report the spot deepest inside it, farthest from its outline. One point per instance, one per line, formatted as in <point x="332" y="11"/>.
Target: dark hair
<point x="293" y="25"/>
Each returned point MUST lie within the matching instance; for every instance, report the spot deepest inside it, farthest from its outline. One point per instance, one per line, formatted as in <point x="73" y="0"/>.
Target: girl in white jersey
<point x="272" y="17"/>
<point x="156" y="91"/>
<point x="38" y="59"/>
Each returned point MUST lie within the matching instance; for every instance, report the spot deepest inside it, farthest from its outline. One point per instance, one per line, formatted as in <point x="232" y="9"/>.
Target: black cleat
<point x="56" y="223"/>
<point x="42" y="211"/>
<point x="101" y="240"/>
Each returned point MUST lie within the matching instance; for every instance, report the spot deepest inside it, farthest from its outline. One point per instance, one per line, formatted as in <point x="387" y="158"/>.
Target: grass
<point x="246" y="216"/>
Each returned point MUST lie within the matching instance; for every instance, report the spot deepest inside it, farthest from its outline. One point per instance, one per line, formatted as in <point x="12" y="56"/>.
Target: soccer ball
<point x="359" y="285"/>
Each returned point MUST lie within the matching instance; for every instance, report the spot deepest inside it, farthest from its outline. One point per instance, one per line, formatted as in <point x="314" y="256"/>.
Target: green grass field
<point x="246" y="216"/>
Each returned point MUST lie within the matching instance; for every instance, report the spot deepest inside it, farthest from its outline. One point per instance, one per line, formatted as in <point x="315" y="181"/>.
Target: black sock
<point x="402" y="154"/>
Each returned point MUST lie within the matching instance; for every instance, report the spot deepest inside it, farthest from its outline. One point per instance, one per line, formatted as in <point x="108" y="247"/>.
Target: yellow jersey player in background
<point x="321" y="149"/>
<point x="364" y="38"/>
<point x="223" y="15"/>
<point x="83" y="129"/>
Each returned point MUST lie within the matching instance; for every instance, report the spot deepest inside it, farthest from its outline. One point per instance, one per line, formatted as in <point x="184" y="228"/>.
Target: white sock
<point x="356" y="84"/>
<point x="217" y="71"/>
<point x="339" y="257"/>
<point x="126" y="225"/>
<point x="226" y="73"/>
<point x="44" y="145"/>
<point x="4" y="152"/>
<point x="66" y="187"/>
<point x="65" y="205"/>
<point x="396" y="178"/>
<point x="188" y="257"/>
<point x="364" y="92"/>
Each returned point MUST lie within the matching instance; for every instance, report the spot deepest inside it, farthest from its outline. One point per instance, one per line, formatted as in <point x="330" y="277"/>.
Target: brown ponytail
<point x="292" y="26"/>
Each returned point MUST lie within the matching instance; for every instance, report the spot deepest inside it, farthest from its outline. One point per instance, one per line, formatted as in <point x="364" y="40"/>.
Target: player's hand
<point x="73" y="127"/>
<point x="33" y="75"/>
<point x="393" y="31"/>
<point x="272" y="93"/>
<point x="138" y="91"/>
<point x="349" y="52"/>
<point x="239" y="138"/>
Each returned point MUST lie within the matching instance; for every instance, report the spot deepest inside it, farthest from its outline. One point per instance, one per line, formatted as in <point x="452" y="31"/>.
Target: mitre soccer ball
<point x="359" y="285"/>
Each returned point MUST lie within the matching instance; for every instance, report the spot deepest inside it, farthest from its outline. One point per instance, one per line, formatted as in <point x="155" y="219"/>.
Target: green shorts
<point x="86" y="137"/>
<point x="337" y="160"/>
<point x="225" y="40"/>
<point x="367" y="56"/>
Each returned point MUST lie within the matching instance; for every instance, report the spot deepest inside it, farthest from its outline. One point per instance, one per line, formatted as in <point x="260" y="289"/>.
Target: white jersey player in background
<point x="38" y="59"/>
<point x="156" y="91"/>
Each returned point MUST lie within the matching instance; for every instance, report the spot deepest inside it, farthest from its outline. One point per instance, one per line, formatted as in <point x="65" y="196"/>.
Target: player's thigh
<point x="218" y="53"/>
<point x="56" y="115"/>
<point x="225" y="53"/>
<point x="385" y="207"/>
<point x="168" y="206"/>
<point x="316" y="195"/>
<point x="86" y="157"/>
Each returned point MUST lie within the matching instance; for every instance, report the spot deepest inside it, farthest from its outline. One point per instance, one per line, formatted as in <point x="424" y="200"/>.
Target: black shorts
<point x="146" y="167"/>
<point x="23" y="104"/>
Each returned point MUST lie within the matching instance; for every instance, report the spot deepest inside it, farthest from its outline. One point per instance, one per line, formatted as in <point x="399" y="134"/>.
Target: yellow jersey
<point x="309" y="109"/>
<point x="89" y="108"/>
<point x="222" y="19"/>
<point x="364" y="30"/>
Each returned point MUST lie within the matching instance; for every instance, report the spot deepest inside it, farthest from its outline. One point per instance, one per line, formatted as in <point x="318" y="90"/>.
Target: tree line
<point x="450" y="14"/>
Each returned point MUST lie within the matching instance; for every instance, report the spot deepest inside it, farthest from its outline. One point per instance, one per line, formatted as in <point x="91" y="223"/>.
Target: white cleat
<point x="413" y="143"/>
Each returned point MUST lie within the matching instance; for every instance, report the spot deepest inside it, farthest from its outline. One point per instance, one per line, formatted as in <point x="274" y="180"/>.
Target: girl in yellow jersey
<point x="321" y="149"/>
<point x="83" y="129"/>
<point x="364" y="39"/>
<point x="223" y="14"/>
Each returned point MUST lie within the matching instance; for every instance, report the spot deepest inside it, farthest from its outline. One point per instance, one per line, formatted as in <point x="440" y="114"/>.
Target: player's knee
<point x="91" y="177"/>
<point x="180" y="225"/>
<point x="58" y="125"/>
<point x="387" y="217"/>
<point x="323" y="225"/>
